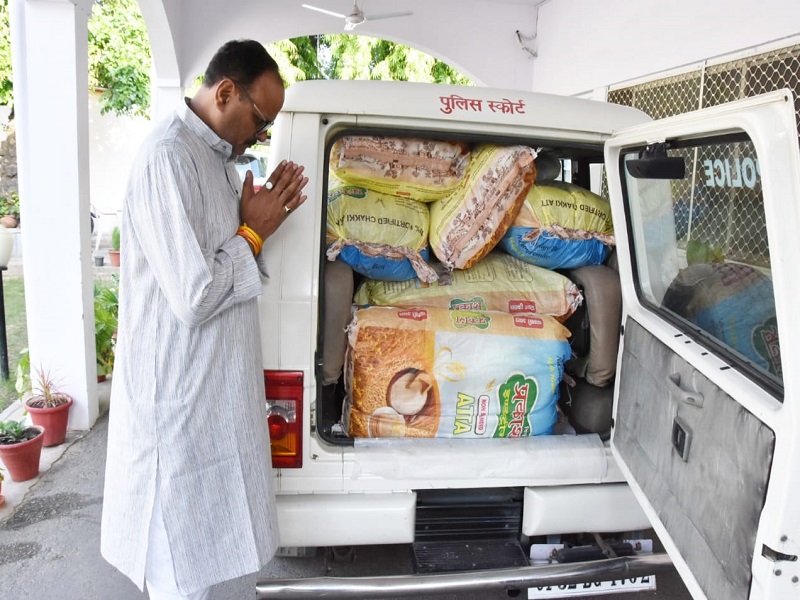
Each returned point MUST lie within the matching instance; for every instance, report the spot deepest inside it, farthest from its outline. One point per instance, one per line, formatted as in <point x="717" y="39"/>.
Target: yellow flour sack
<point x="561" y="205"/>
<point x="498" y="282"/>
<point x="561" y="226"/>
<point x="432" y="372"/>
<point x="424" y="170"/>
<point x="468" y="223"/>
<point x="380" y="236"/>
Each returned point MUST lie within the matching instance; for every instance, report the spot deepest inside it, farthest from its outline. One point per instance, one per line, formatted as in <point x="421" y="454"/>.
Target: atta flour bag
<point x="422" y="169"/>
<point x="380" y="236"/>
<point x="561" y="226"/>
<point x="415" y="372"/>
<point x="498" y="282"/>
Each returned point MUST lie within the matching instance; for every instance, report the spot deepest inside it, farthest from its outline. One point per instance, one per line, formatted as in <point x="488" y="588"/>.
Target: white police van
<point x="693" y="433"/>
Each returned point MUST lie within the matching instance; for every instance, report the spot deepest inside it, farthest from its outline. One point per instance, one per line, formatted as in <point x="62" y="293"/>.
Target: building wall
<point x="584" y="44"/>
<point x="113" y="142"/>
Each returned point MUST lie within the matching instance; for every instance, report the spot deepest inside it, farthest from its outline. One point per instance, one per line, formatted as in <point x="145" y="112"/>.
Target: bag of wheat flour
<point x="734" y="303"/>
<point x="468" y="223"/>
<point x="561" y="226"/>
<point x="380" y="236"/>
<point x="431" y="372"/>
<point x="422" y="169"/>
<point x="497" y="282"/>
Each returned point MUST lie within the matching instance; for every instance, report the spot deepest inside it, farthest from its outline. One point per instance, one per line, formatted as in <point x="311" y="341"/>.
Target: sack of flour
<point x="469" y="222"/>
<point x="431" y="372"/>
<point x="498" y="282"/>
<point x="422" y="169"/>
<point x="380" y="236"/>
<point x="561" y="226"/>
<point x="734" y="303"/>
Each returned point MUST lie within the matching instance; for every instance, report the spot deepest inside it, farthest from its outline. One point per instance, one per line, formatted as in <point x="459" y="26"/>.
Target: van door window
<point x="700" y="247"/>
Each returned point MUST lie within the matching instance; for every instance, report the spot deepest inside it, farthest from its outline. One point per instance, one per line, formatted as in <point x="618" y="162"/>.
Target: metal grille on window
<point x="729" y="222"/>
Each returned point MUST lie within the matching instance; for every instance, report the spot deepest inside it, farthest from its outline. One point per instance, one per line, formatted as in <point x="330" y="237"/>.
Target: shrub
<point x="9" y="205"/>
<point x="115" y="239"/>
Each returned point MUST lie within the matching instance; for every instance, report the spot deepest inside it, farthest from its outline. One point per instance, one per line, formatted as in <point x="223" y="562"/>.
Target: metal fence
<point x="735" y="220"/>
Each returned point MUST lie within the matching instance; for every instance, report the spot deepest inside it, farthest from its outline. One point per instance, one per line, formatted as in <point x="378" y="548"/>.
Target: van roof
<point x="449" y="103"/>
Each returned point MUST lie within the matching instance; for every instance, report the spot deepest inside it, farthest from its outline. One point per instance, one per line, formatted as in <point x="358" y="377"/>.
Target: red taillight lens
<point x="284" y="393"/>
<point x="278" y="427"/>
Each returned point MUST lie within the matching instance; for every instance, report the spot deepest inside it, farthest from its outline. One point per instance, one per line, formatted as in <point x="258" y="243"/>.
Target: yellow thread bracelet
<point x="253" y="239"/>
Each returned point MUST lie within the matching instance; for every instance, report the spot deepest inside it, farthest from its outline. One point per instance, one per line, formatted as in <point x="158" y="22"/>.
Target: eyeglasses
<point x="266" y="123"/>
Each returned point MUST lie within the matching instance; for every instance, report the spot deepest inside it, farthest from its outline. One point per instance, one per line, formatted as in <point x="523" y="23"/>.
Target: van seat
<point x="588" y="399"/>
<point x="337" y="312"/>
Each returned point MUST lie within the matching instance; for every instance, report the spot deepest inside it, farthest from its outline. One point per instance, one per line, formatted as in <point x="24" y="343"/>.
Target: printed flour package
<point x="499" y="282"/>
<point x="561" y="226"/>
<point x="735" y="304"/>
<point x="468" y="223"/>
<point x="380" y="236"/>
<point x="424" y="170"/>
<point x="417" y="372"/>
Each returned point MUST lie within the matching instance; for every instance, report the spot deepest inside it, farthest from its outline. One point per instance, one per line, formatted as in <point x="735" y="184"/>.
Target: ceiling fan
<point x="356" y="16"/>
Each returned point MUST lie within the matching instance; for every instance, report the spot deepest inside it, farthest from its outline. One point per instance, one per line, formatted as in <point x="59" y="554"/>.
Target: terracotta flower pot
<point x="113" y="258"/>
<point x="54" y="420"/>
<point x="22" y="460"/>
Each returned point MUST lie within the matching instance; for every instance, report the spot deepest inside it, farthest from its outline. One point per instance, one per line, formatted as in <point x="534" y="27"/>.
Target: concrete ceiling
<point x="478" y="37"/>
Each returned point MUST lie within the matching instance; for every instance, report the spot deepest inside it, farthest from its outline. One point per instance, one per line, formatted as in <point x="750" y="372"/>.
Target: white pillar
<point x="50" y="65"/>
<point x="165" y="97"/>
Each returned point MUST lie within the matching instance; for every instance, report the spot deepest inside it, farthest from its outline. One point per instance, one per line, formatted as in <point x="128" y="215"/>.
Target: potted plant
<point x="9" y="210"/>
<point x="106" y="307"/>
<point x="47" y="406"/>
<point x="21" y="449"/>
<point x="113" y="252"/>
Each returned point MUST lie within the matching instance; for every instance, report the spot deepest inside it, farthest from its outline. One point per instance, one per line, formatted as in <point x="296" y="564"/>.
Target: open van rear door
<point x="706" y="209"/>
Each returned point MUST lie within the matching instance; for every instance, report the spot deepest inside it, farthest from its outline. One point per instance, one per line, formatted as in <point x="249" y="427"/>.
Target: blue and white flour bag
<point x="734" y="303"/>
<point x="561" y="226"/>
<point x="381" y="236"/>
<point x="461" y="374"/>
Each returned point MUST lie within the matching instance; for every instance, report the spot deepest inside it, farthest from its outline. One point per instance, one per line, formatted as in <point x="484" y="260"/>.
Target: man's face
<point x="255" y="107"/>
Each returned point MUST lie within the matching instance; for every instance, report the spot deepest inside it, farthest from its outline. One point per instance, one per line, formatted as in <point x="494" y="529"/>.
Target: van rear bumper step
<point x="467" y="581"/>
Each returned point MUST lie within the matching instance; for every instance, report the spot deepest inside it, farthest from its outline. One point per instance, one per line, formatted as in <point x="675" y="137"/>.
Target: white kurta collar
<point x="203" y="131"/>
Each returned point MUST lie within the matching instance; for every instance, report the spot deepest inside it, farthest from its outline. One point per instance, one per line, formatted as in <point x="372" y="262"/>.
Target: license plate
<point x="542" y="553"/>
<point x="595" y="588"/>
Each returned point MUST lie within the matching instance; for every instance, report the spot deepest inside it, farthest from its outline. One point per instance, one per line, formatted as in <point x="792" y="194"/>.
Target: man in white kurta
<point x="188" y="423"/>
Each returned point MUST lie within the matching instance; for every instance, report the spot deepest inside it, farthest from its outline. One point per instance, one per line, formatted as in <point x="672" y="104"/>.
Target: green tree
<point x="342" y="56"/>
<point x="119" y="57"/>
<point x="6" y="87"/>
<point x="298" y="58"/>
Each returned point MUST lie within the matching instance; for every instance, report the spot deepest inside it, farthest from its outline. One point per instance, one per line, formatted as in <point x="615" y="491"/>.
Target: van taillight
<point x="284" y="391"/>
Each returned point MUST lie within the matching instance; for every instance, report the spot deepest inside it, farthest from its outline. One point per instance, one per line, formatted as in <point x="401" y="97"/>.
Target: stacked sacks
<point x="431" y="372"/>
<point x="561" y="226"/>
<point x="378" y="222"/>
<point x="499" y="282"/>
<point x="480" y="352"/>
<point x="471" y="220"/>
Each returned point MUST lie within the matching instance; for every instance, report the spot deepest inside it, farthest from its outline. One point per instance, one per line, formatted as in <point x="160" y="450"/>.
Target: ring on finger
<point x="268" y="185"/>
<point x="286" y="209"/>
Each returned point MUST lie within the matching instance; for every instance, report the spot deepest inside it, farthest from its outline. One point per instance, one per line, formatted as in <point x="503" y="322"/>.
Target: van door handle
<point x="689" y="396"/>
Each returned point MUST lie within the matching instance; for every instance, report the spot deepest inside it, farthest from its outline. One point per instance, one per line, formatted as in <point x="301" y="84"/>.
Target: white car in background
<point x="254" y="163"/>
